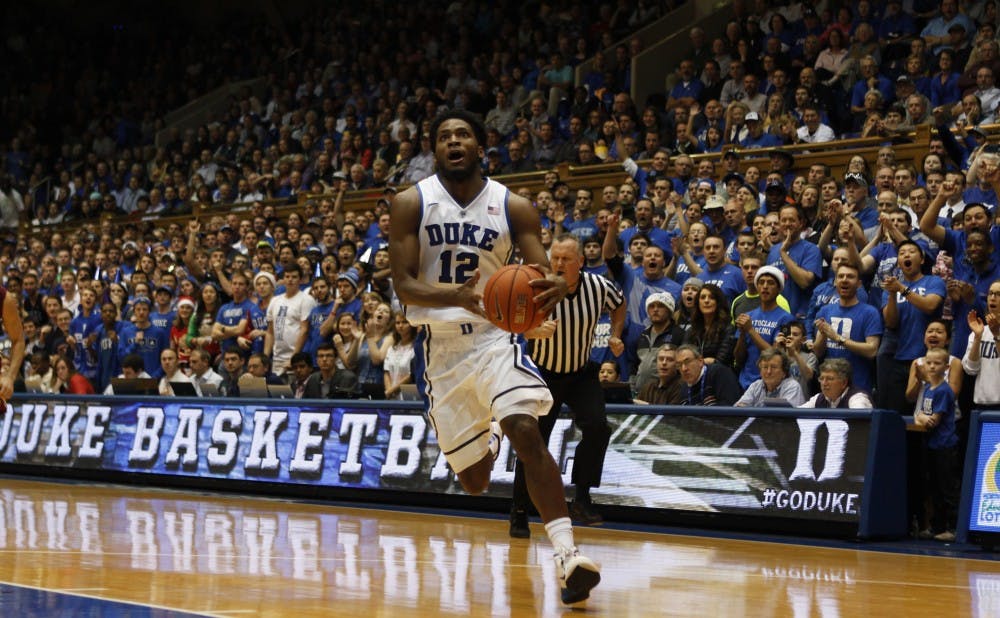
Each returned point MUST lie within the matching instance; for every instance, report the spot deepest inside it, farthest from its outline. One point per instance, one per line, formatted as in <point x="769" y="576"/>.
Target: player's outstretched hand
<point x="467" y="297"/>
<point x="553" y="289"/>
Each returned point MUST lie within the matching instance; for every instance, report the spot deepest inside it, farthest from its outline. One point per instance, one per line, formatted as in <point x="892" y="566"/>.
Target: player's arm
<point x="528" y="237"/>
<point x="12" y="324"/>
<point x="404" y="259"/>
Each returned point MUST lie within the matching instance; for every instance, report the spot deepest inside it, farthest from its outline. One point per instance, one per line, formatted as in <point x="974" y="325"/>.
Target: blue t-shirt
<point x="857" y="323"/>
<point x="637" y="288"/>
<point x="954" y="242"/>
<point x="587" y="228"/>
<point x="683" y="273"/>
<point x="807" y="256"/>
<point x="231" y="313"/>
<point x="154" y="341"/>
<point x="82" y="327"/>
<point x="658" y="236"/>
<point x="108" y="363"/>
<point x="599" y="350"/>
<point x="940" y="399"/>
<point x="912" y="321"/>
<point x="729" y="278"/>
<point x="825" y="294"/>
<point x="316" y="318"/>
<point x="163" y="320"/>
<point x="767" y="324"/>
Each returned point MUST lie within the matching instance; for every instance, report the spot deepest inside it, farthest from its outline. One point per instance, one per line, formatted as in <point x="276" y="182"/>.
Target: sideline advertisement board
<point x="775" y="464"/>
<point x="979" y="513"/>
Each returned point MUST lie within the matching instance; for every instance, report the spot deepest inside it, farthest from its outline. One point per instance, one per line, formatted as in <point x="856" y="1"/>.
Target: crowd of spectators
<point x="738" y="278"/>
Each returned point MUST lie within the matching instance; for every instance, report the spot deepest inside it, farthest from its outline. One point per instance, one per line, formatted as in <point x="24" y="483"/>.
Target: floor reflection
<point x="210" y="553"/>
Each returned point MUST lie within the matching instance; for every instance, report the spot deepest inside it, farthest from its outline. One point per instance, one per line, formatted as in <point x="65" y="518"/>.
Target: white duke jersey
<point x="455" y="241"/>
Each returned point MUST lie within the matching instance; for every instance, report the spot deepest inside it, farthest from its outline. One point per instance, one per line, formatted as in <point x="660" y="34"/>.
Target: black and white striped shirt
<point x="568" y="349"/>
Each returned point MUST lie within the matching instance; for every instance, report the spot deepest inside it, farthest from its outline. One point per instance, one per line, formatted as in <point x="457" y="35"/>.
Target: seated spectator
<point x="41" y="376"/>
<point x="202" y="373"/>
<point x="791" y="340"/>
<point x="665" y="388"/>
<point x="259" y="366"/>
<point x="608" y="372"/>
<point x="774" y="382"/>
<point x="661" y="330"/>
<point x="171" y="372"/>
<point x="705" y="385"/>
<point x="711" y="330"/>
<point x="813" y="131"/>
<point x="70" y="381"/>
<point x="132" y="368"/>
<point x="232" y="370"/>
<point x="835" y="388"/>
<point x="330" y="381"/>
<point x="300" y="369"/>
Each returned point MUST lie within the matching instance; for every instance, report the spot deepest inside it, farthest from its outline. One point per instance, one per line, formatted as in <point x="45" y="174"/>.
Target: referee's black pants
<point x="581" y="391"/>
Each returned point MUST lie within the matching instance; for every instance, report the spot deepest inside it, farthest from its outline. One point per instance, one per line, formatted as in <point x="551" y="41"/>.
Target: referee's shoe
<point x="584" y="513"/>
<point x="519" y="524"/>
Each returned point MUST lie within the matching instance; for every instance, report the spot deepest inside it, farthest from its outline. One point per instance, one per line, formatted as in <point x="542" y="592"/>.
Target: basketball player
<point x="10" y="315"/>
<point x="449" y="234"/>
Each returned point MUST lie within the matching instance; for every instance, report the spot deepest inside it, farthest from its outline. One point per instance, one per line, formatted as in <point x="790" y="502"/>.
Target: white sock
<point x="560" y="532"/>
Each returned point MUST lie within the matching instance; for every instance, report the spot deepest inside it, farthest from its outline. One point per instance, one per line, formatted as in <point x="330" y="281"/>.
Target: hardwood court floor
<point x="221" y="555"/>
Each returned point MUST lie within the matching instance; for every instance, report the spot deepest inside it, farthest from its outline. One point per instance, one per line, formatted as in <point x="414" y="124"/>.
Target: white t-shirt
<point x="287" y="315"/>
<point x="397" y="362"/>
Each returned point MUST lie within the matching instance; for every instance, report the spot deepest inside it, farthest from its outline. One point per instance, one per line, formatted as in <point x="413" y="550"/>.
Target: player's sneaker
<point x="496" y="437"/>
<point x="519" y="524"/>
<point x="577" y="575"/>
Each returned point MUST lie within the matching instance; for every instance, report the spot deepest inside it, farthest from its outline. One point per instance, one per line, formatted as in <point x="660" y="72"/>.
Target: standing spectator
<point x="937" y="417"/>
<point x="561" y="347"/>
<point x="398" y="363"/>
<point x="140" y="336"/>
<point x="849" y="329"/>
<point x="237" y="322"/>
<point x="912" y="301"/>
<point x="370" y="352"/>
<point x="799" y="259"/>
<point x="981" y="356"/>
<point x="320" y="320"/>
<point x="759" y="328"/>
<point x="105" y="346"/>
<point x="287" y="321"/>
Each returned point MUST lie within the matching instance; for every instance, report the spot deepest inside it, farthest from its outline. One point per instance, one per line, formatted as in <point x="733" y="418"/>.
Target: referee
<point x="560" y="348"/>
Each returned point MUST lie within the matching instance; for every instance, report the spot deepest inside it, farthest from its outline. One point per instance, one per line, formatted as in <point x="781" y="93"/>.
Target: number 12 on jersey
<point x="457" y="268"/>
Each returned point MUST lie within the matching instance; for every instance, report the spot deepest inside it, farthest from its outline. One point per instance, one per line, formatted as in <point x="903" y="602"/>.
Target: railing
<point x="909" y="148"/>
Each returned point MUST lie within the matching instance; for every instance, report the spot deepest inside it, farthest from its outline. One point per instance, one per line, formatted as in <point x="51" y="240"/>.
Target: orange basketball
<point x="509" y="298"/>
